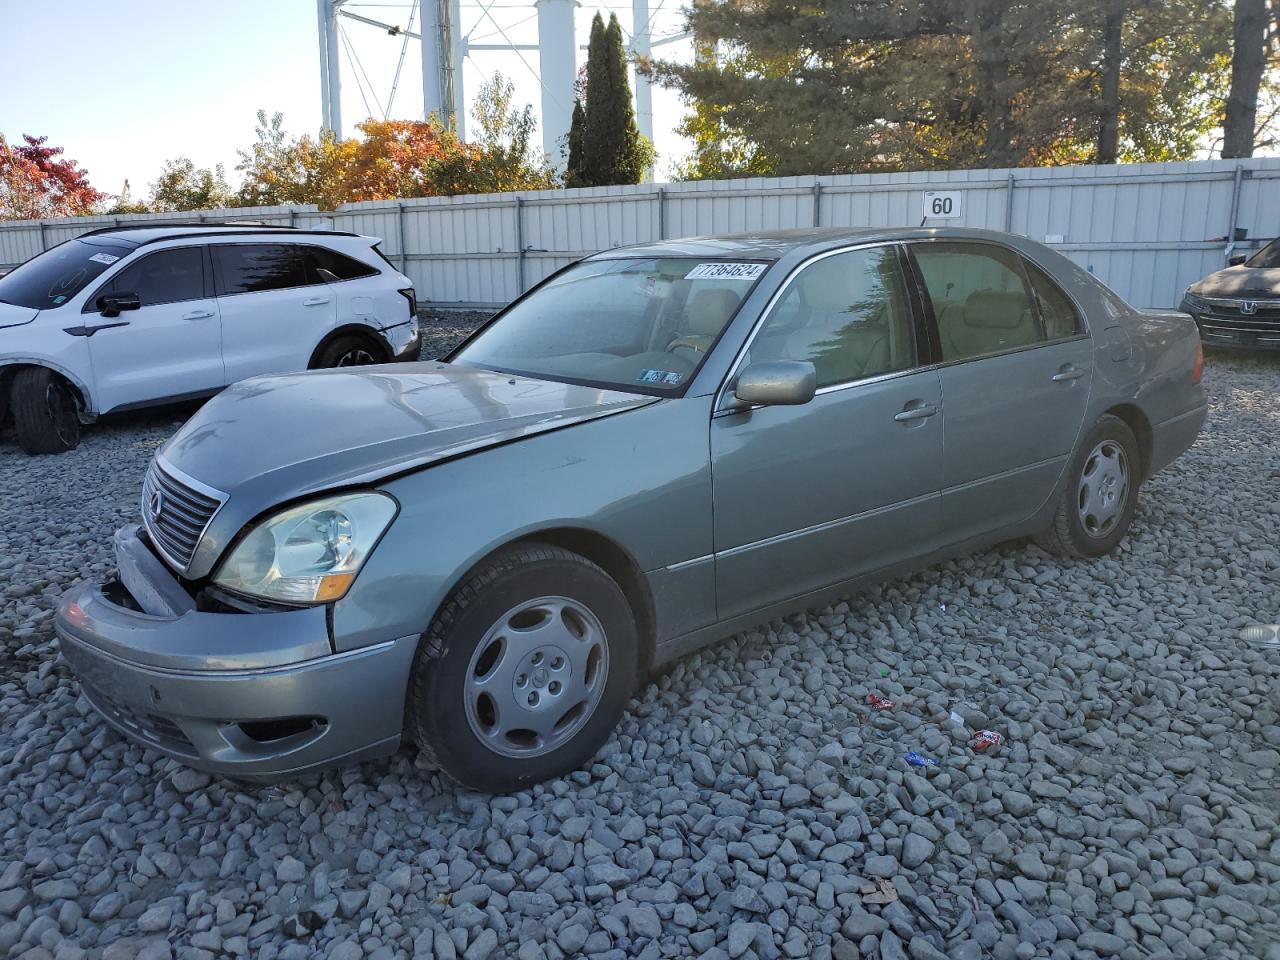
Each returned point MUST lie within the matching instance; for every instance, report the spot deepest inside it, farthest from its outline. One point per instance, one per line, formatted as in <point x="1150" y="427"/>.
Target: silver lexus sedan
<point x="653" y="449"/>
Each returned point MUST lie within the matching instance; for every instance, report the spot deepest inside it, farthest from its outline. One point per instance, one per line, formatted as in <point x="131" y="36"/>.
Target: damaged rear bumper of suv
<point x="259" y="696"/>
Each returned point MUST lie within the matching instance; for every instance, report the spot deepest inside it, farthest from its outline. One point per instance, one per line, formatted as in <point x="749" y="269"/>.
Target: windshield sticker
<point x="59" y="299"/>
<point x="104" y="258"/>
<point x="659" y="376"/>
<point x="726" y="271"/>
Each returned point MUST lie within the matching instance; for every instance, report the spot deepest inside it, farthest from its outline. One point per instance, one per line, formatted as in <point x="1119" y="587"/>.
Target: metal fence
<point x="1147" y="230"/>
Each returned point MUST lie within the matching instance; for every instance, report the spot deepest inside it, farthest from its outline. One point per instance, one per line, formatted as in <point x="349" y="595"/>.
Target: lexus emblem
<point x="155" y="505"/>
<point x="1249" y="307"/>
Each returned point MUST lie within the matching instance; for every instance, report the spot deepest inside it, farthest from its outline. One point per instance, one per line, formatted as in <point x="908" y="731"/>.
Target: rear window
<point x="49" y="280"/>
<point x="255" y="267"/>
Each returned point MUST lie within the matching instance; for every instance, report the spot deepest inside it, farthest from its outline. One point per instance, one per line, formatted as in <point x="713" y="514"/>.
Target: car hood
<point x="1259" y="283"/>
<point x="287" y="436"/>
<point x="12" y="315"/>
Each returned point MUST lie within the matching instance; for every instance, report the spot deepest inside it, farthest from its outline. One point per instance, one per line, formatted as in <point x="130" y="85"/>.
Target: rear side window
<point x="980" y="298"/>
<point x="256" y="267"/>
<point x="329" y="266"/>
<point x="167" y="276"/>
<point x="1056" y="309"/>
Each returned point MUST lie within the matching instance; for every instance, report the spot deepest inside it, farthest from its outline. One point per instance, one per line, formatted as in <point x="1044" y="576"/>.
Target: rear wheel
<point x="351" y="351"/>
<point x="46" y="415"/>
<point x="1098" y="504"/>
<point x="525" y="670"/>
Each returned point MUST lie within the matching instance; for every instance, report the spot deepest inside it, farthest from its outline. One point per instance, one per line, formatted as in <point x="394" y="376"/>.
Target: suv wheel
<point x="46" y="415"/>
<point x="349" y="351"/>
<point x="1101" y="495"/>
<point x="525" y="670"/>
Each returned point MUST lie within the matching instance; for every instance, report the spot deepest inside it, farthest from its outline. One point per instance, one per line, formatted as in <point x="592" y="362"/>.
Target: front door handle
<point x="315" y="301"/>
<point x="1067" y="374"/>
<point x="921" y="412"/>
<point x="197" y="315"/>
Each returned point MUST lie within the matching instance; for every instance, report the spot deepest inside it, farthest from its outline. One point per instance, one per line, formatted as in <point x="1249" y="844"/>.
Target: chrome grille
<point x="176" y="510"/>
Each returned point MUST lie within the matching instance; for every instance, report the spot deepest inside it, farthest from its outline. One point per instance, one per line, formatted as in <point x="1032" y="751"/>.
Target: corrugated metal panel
<point x="1148" y="230"/>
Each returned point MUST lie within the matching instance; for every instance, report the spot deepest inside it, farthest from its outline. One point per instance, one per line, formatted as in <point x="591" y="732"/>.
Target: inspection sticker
<point x="103" y="258"/>
<point x="726" y="271"/>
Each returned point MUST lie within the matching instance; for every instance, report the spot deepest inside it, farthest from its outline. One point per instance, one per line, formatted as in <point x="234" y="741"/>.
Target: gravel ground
<point x="752" y="803"/>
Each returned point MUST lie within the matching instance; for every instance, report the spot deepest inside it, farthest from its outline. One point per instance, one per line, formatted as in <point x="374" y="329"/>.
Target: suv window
<point x="847" y="314"/>
<point x="1056" y="309"/>
<point x="329" y="266"/>
<point x="166" y="276"/>
<point x="255" y="267"/>
<point x="980" y="298"/>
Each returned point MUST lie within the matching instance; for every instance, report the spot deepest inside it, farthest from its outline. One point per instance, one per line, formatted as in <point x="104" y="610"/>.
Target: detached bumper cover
<point x="257" y="696"/>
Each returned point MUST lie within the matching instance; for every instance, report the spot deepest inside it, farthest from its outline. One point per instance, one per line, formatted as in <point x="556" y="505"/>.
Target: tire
<point x="46" y="415"/>
<point x="535" y="636"/>
<point x="1098" y="504"/>
<point x="348" y="351"/>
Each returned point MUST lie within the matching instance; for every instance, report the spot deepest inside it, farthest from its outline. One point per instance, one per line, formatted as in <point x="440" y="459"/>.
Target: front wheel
<point x="525" y="670"/>
<point x="46" y="416"/>
<point x="1101" y="494"/>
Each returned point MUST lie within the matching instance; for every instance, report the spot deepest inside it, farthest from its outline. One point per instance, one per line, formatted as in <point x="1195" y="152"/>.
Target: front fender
<point x="89" y="409"/>
<point x="641" y="479"/>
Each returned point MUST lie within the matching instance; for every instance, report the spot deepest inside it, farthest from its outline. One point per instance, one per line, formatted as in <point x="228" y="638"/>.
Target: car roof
<point x="775" y="244"/>
<point x="138" y="235"/>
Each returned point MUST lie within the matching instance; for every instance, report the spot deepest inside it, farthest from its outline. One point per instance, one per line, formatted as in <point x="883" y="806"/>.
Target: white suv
<point x="134" y="316"/>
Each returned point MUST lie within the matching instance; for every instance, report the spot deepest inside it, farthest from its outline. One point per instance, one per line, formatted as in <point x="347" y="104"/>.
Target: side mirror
<point x="771" y="383"/>
<point x="112" y="305"/>
<point x="1235" y="261"/>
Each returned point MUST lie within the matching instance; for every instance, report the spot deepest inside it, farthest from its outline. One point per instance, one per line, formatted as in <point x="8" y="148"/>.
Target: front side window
<point x="847" y="314"/>
<point x="257" y="267"/>
<point x="49" y="280"/>
<point x="167" y="276"/>
<point x="980" y="298"/>
<point x="643" y="324"/>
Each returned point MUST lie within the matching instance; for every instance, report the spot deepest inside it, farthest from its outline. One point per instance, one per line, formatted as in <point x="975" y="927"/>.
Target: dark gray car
<point x="1240" y="306"/>
<point x="655" y="448"/>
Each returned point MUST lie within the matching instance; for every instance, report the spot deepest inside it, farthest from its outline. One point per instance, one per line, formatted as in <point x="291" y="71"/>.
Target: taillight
<point x="408" y="294"/>
<point x="1197" y="369"/>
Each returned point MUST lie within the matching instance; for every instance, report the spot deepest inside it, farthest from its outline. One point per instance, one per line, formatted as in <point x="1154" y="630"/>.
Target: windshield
<point x="55" y="276"/>
<point x="643" y="325"/>
<point x="1268" y="256"/>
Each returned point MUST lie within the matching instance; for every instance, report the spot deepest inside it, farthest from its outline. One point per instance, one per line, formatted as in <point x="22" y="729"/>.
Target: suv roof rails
<point x="161" y="225"/>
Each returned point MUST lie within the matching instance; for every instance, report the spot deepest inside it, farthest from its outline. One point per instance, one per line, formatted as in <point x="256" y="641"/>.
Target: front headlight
<point x="310" y="553"/>
<point x="1193" y="301"/>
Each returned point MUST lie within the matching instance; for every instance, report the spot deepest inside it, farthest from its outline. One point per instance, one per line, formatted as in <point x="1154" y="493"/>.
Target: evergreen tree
<point x="611" y="150"/>
<point x="850" y="86"/>
<point x="573" y="175"/>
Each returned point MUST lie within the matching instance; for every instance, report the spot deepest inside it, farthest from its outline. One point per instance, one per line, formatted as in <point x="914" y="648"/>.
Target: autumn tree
<point x="503" y="158"/>
<point x="36" y="181"/>
<point x="609" y="147"/>
<point x="184" y="186"/>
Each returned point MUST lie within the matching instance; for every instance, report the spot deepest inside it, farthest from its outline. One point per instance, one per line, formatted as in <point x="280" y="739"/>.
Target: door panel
<point x="273" y="313"/>
<point x="171" y="346"/>
<point x="809" y="495"/>
<point x="1009" y="432"/>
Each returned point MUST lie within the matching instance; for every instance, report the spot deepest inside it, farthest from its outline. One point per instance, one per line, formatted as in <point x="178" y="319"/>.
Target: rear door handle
<point x="315" y="301"/>
<point x="197" y="315"/>
<point x="1067" y="374"/>
<point x="916" y="413"/>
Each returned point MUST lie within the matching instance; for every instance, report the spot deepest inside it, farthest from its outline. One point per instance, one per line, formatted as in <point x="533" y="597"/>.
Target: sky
<point x="125" y="86"/>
